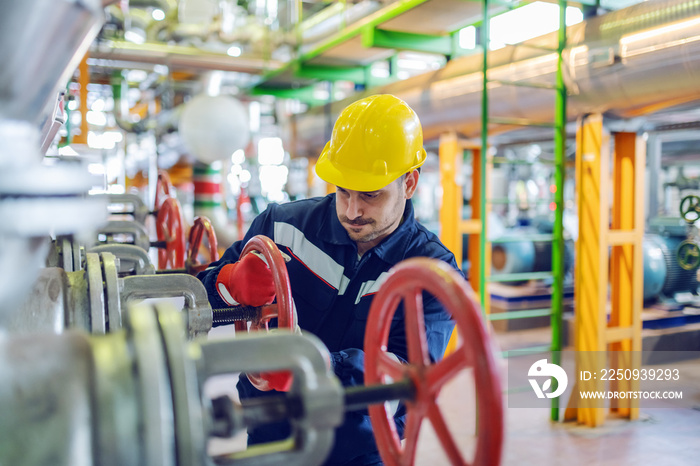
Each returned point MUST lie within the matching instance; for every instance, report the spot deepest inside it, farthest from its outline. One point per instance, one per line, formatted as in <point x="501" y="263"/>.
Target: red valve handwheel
<point x="200" y="226"/>
<point x="170" y="228"/>
<point x="406" y="283"/>
<point x="164" y="189"/>
<point x="283" y="309"/>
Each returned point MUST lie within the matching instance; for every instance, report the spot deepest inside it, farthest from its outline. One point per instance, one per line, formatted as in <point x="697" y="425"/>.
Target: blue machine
<point x="527" y="256"/>
<point x="663" y="276"/>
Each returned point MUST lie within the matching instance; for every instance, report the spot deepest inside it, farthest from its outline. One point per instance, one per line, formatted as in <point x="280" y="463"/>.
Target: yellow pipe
<point x="83" y="80"/>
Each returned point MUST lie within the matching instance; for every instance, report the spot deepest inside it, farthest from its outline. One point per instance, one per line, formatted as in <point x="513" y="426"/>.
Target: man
<point x="341" y="248"/>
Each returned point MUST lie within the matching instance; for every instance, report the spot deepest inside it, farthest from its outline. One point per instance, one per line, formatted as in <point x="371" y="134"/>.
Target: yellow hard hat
<point x="374" y="141"/>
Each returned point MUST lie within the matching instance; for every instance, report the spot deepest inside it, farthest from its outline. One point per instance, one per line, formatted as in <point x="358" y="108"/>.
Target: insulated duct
<point x="630" y="62"/>
<point x="43" y="42"/>
<point x="331" y="19"/>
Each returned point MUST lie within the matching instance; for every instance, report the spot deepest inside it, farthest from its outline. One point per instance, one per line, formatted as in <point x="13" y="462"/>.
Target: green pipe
<point x="484" y="151"/>
<point x="378" y="17"/>
<point x="69" y="137"/>
<point x="559" y="175"/>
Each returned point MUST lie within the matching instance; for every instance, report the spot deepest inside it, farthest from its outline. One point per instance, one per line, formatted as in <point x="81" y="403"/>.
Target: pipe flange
<point x="110" y="268"/>
<point x="43" y="180"/>
<point x="37" y="216"/>
<point x="128" y="228"/>
<point x="133" y="260"/>
<point x="189" y="418"/>
<point x="96" y="294"/>
<point x="134" y="206"/>
<point x="66" y="253"/>
<point x="37" y="199"/>
<point x="315" y="387"/>
<point x="156" y="401"/>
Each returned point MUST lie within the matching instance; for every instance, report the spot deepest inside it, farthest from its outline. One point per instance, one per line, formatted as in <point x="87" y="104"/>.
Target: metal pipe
<point x="180" y="57"/>
<point x="45" y="40"/>
<point x="199" y="313"/>
<point x="46" y="401"/>
<point x="129" y="256"/>
<point x="330" y="20"/>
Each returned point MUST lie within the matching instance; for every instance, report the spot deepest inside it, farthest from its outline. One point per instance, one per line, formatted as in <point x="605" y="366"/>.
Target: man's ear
<point x="411" y="183"/>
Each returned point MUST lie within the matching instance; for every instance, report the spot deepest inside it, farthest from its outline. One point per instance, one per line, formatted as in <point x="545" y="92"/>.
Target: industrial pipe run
<point x="629" y="62"/>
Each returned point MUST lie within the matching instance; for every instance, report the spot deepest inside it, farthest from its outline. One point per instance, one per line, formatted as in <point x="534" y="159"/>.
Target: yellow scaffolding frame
<point x="601" y="228"/>
<point x="452" y="225"/>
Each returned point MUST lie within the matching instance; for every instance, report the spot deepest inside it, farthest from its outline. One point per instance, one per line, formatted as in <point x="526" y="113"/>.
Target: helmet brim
<point x="355" y="180"/>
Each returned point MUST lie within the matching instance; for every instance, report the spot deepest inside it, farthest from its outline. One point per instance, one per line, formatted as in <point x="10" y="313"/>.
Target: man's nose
<point x="354" y="209"/>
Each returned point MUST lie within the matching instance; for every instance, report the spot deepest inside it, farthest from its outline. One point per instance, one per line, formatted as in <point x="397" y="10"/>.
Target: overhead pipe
<point x="44" y="40"/>
<point x="313" y="30"/>
<point x="629" y="63"/>
<point x="180" y="57"/>
<point x="332" y="18"/>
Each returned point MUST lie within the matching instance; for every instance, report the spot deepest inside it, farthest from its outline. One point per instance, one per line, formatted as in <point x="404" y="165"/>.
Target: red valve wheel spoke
<point x="445" y="370"/>
<point x="170" y="228"/>
<point x="200" y="226"/>
<point x="164" y="188"/>
<point x="444" y="435"/>
<point x="406" y="283"/>
<point x="414" y="421"/>
<point x="267" y="313"/>
<point x="416" y="340"/>
<point x="390" y="366"/>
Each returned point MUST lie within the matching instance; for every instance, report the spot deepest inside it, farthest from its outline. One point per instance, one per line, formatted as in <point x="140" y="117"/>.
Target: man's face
<point x="369" y="217"/>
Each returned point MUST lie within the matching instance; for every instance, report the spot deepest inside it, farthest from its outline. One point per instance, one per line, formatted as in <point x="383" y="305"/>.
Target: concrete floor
<point x="661" y="436"/>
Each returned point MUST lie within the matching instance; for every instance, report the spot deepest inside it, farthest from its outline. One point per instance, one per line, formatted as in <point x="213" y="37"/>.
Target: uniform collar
<point x="391" y="250"/>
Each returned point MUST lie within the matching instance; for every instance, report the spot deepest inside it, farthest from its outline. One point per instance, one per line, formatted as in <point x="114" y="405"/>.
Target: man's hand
<point x="277" y="380"/>
<point x="248" y="282"/>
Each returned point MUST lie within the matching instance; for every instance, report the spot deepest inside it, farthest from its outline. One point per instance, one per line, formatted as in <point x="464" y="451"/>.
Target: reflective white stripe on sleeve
<point x="225" y="295"/>
<point x="320" y="263"/>
<point x="371" y="286"/>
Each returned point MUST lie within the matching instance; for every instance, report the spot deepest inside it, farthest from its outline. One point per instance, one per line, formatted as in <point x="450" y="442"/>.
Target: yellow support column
<point x="451" y="156"/>
<point x="591" y="274"/>
<point x="626" y="271"/>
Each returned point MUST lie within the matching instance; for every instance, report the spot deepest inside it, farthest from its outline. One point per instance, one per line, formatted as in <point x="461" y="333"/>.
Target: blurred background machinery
<point x="140" y="136"/>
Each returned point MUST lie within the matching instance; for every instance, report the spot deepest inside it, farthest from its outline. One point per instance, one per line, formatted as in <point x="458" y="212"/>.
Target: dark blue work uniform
<point x="333" y="289"/>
